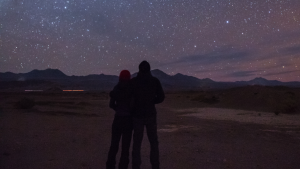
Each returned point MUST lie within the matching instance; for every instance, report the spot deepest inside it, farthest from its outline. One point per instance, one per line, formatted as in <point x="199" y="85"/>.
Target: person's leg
<point x="151" y="127"/>
<point x="114" y="145"/>
<point x="126" y="140"/>
<point x="138" y="131"/>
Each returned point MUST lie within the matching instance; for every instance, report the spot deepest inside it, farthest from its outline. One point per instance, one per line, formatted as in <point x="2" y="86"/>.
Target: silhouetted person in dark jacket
<point x="147" y="91"/>
<point x="122" y="124"/>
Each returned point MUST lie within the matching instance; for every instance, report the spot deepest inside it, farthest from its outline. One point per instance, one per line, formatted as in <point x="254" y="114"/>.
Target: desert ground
<point x="72" y="131"/>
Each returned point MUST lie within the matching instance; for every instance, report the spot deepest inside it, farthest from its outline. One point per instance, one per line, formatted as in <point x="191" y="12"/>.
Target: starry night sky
<point x="225" y="40"/>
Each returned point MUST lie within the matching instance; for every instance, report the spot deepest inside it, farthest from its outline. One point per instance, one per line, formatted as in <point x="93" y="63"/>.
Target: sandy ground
<point x="243" y="116"/>
<point x="73" y="131"/>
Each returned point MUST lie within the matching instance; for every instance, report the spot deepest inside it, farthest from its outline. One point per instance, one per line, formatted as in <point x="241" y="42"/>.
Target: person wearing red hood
<point x="120" y="102"/>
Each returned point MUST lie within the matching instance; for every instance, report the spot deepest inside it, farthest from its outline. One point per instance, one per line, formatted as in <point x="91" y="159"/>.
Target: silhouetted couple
<point x="134" y="103"/>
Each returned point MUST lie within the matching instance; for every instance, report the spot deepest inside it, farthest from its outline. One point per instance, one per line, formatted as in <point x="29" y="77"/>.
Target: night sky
<point x="225" y="40"/>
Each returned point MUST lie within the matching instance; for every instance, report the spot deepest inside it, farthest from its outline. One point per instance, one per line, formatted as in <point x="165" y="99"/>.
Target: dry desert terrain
<point x="72" y="131"/>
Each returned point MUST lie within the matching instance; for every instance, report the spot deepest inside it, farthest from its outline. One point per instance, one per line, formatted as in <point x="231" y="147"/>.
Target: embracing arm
<point x="112" y="101"/>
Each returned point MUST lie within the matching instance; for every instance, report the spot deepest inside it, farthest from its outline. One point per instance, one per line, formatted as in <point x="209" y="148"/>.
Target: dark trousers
<point x="122" y="126"/>
<point x="138" y="128"/>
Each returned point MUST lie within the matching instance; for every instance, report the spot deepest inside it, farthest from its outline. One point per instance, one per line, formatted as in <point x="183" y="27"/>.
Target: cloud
<point x="291" y="50"/>
<point x="243" y="73"/>
<point x="222" y="55"/>
<point x="280" y="73"/>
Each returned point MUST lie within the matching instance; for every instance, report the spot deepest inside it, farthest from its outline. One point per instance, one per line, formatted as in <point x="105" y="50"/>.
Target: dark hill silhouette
<point x="159" y="74"/>
<point x="45" y="78"/>
<point x="8" y="76"/>
<point x="180" y="81"/>
<point x="156" y="72"/>
<point x="34" y="74"/>
<point x="45" y="74"/>
<point x="263" y="82"/>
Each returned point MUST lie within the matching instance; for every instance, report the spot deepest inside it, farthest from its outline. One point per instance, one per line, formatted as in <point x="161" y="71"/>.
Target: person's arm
<point x="112" y="101"/>
<point x="160" y="95"/>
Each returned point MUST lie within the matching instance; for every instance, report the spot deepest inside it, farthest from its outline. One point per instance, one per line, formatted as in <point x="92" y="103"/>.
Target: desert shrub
<point x="198" y="98"/>
<point x="287" y="107"/>
<point x="287" y="104"/>
<point x="207" y="98"/>
<point x="211" y="99"/>
<point x="45" y="103"/>
<point x="83" y="104"/>
<point x="25" y="103"/>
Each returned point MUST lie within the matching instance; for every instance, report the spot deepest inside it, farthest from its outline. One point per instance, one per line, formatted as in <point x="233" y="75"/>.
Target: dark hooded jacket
<point x="121" y="99"/>
<point x="147" y="91"/>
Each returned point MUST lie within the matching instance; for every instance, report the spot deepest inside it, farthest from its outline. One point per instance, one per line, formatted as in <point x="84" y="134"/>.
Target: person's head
<point x="144" y="67"/>
<point x="124" y="76"/>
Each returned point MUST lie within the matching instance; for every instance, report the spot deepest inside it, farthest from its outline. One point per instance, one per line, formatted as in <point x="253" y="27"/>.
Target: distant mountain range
<point x="44" y="79"/>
